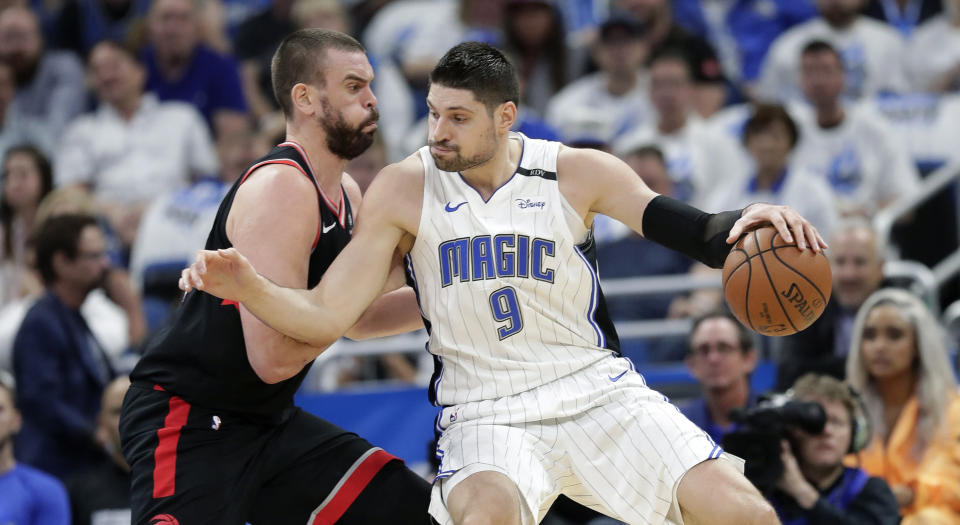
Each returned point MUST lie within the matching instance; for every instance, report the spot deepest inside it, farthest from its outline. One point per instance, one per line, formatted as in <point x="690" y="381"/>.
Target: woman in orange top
<point x="899" y="362"/>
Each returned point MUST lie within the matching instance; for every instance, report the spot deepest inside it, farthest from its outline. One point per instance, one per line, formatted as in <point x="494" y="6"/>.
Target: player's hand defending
<point x="226" y="274"/>
<point x="789" y="224"/>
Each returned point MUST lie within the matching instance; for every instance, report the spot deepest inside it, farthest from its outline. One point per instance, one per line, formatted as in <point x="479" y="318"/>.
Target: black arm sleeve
<point x="692" y="232"/>
<point x="874" y="505"/>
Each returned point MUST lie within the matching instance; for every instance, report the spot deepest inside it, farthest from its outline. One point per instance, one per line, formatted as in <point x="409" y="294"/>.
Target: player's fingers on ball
<point x="798" y="229"/>
<point x="778" y="222"/>
<point x="812" y="236"/>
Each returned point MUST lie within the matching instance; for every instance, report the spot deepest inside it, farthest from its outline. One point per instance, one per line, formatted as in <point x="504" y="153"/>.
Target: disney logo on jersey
<point x="530" y="204"/>
<point x="492" y="257"/>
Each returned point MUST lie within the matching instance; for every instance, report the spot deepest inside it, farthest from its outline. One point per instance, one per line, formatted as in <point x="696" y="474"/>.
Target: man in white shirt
<point x="699" y="159"/>
<point x="852" y="149"/>
<point x="769" y="136"/>
<point x="872" y="53"/>
<point x="133" y="147"/>
<point x="933" y="54"/>
<point x="602" y="107"/>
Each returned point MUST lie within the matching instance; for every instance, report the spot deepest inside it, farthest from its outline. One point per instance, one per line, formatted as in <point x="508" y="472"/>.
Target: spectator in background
<point x="49" y="84"/>
<point x="133" y="148"/>
<point x="177" y="222"/>
<point x="102" y="496"/>
<point x="700" y="160"/>
<point x="29" y="496"/>
<point x="180" y="67"/>
<point x="741" y="32"/>
<point x="535" y="38"/>
<point x="27" y="179"/>
<point x="903" y="15"/>
<point x="721" y="357"/>
<point x="852" y="149"/>
<point x="899" y="362"/>
<point x="83" y="23"/>
<point x="442" y="25"/>
<point x="710" y="87"/>
<point x="254" y="43"/>
<point x="871" y="53"/>
<point x="60" y="368"/>
<point x="815" y="487"/>
<point x="769" y="136"/>
<point x="856" y="257"/>
<point x="605" y="105"/>
<point x="15" y="129"/>
<point x="933" y="54"/>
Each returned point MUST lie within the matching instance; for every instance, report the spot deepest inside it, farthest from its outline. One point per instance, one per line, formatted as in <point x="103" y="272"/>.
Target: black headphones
<point x="859" y="422"/>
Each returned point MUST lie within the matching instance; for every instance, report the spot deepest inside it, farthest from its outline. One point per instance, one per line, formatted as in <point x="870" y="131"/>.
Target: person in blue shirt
<point x="180" y="67"/>
<point x="721" y="357"/>
<point x="741" y="30"/>
<point x="27" y="495"/>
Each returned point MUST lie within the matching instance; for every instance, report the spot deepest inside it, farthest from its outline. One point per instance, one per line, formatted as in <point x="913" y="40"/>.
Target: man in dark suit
<point x="856" y="260"/>
<point x="60" y="368"/>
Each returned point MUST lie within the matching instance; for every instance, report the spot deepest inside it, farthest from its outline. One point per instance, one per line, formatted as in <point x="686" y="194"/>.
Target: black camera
<point x="757" y="439"/>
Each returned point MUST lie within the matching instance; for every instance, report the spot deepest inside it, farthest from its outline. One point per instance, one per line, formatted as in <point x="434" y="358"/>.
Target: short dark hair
<point x="672" y="54"/>
<point x="301" y="58"/>
<point x="59" y="234"/>
<point x="764" y="116"/>
<point x="821" y="46"/>
<point x="744" y="337"/>
<point x="481" y="69"/>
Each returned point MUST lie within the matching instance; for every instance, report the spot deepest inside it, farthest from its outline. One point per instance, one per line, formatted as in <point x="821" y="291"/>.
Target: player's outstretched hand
<point x="226" y="274"/>
<point x="789" y="224"/>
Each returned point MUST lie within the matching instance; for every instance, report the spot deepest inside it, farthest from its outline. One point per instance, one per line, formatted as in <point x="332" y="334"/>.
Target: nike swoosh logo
<point x="455" y="208"/>
<point x="328" y="227"/>
<point x="617" y="378"/>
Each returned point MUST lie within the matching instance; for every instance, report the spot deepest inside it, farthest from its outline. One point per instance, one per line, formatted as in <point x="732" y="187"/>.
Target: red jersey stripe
<point x="351" y="485"/>
<point x="165" y="455"/>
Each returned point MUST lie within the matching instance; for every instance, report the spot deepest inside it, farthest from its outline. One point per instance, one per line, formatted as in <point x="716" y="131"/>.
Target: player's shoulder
<point x="576" y="160"/>
<point x="39" y="481"/>
<point x="399" y="180"/>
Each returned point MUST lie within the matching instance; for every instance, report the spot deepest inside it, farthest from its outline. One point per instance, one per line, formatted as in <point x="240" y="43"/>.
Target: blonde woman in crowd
<point x="901" y="367"/>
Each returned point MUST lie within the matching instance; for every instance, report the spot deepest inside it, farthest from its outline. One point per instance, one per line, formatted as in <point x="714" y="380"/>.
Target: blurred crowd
<point x="124" y="122"/>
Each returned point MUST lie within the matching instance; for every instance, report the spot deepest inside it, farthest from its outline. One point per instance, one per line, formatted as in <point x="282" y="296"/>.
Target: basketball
<point x="773" y="287"/>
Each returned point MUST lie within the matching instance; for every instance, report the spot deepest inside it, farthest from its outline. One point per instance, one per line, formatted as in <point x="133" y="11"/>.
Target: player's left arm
<point x="596" y="182"/>
<point x="394" y="312"/>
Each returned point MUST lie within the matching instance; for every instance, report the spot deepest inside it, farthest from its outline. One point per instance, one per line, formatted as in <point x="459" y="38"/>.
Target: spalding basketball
<point x="773" y="287"/>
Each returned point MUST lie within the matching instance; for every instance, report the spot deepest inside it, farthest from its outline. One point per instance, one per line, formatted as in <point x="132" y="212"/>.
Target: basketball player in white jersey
<point x="495" y="232"/>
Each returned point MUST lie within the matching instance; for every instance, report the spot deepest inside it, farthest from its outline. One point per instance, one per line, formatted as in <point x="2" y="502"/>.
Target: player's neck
<point x="720" y="401"/>
<point x="328" y="168"/>
<point x="490" y="175"/>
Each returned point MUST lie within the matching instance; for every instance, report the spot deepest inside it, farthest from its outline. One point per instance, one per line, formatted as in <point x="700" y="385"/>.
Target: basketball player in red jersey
<point x="209" y="427"/>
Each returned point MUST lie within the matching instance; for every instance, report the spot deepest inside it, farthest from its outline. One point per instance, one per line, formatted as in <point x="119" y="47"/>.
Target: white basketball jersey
<point x="507" y="287"/>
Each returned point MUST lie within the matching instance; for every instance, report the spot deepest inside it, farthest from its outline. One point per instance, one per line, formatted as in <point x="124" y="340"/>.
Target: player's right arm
<point x="388" y="218"/>
<point x="273" y="221"/>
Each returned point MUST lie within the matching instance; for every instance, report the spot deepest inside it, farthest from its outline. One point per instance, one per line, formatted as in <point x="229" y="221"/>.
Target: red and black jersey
<point x="200" y="355"/>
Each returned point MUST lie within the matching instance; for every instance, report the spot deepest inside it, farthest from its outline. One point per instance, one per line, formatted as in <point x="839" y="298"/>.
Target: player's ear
<point x="505" y="115"/>
<point x="303" y="98"/>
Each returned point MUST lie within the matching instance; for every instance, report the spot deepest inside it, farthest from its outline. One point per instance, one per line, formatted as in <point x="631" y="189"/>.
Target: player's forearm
<point x="392" y="313"/>
<point x="690" y="231"/>
<point x="296" y="313"/>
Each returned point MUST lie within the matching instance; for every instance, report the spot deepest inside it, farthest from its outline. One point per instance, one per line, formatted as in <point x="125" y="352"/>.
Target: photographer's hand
<point x="792" y="481"/>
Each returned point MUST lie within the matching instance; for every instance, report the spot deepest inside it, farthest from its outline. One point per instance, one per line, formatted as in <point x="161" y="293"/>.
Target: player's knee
<point x="485" y="498"/>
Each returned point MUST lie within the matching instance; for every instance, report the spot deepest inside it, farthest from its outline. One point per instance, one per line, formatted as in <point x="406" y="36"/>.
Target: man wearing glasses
<point x="60" y="368"/>
<point x="721" y="357"/>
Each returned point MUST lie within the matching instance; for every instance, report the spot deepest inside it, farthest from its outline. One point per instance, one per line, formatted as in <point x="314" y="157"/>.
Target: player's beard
<point x="343" y="140"/>
<point x="460" y="163"/>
